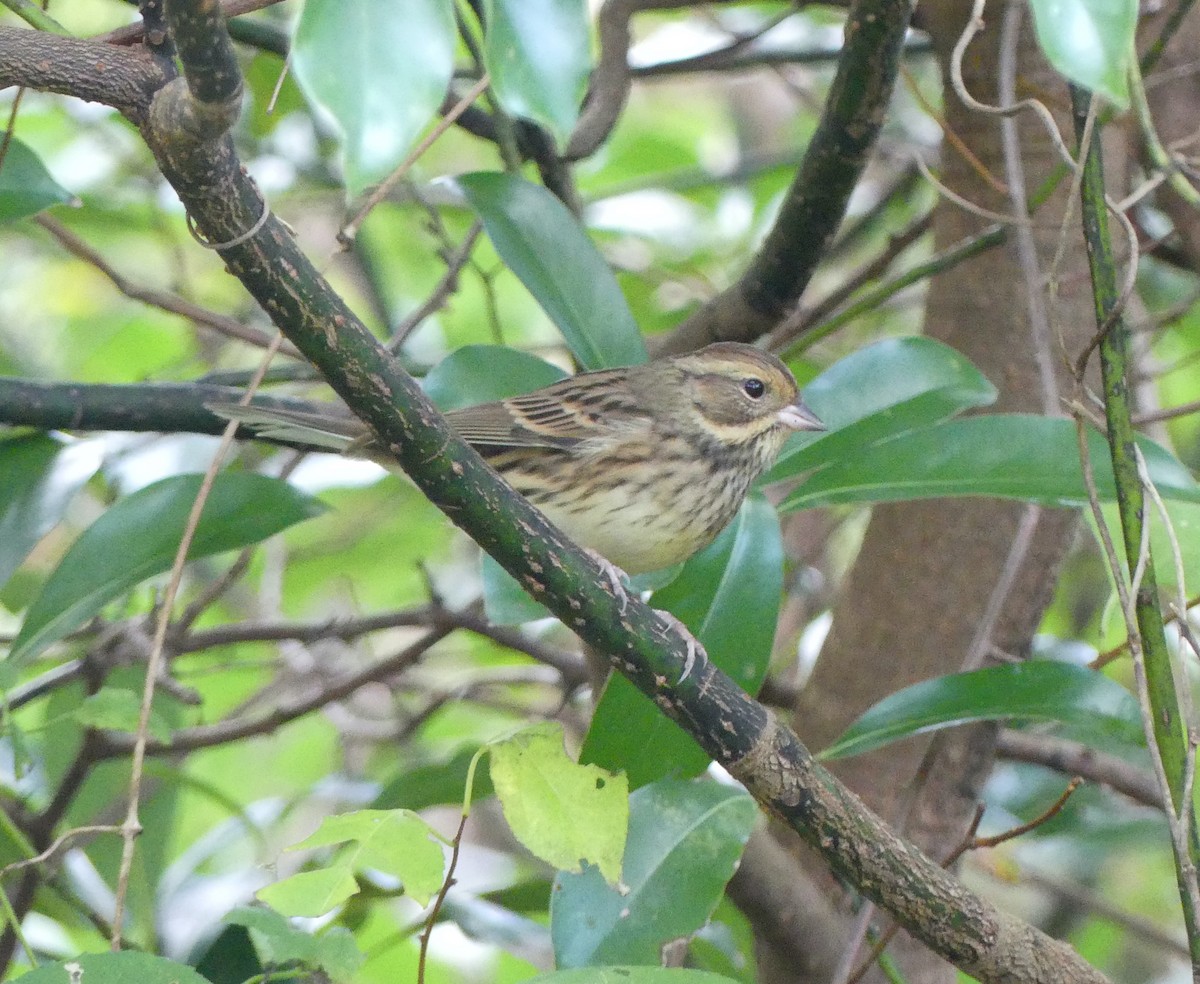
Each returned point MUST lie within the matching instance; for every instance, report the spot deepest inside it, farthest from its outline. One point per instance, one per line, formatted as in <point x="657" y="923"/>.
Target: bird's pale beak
<point x="798" y="417"/>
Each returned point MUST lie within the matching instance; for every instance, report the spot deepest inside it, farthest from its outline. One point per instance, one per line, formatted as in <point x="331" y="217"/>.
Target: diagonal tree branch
<point x="738" y="732"/>
<point x="816" y="201"/>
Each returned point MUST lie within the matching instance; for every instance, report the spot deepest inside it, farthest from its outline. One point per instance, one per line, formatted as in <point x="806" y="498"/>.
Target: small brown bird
<point x="644" y="465"/>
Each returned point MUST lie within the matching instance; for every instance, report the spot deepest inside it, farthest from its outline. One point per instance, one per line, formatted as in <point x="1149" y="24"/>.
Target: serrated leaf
<point x="310" y="893"/>
<point x="545" y="246"/>
<point x="26" y="187"/>
<point x="1035" y="690"/>
<point x="1090" y="42"/>
<point x="39" y="476"/>
<point x="685" y="839"/>
<point x="137" y="538"/>
<point x="538" y="53"/>
<point x="277" y="941"/>
<point x="728" y="595"/>
<point x="396" y="842"/>
<point x="564" y="813"/>
<point x="380" y="70"/>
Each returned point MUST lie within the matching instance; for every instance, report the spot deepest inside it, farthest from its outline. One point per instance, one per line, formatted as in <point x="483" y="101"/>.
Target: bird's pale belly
<point x="641" y="530"/>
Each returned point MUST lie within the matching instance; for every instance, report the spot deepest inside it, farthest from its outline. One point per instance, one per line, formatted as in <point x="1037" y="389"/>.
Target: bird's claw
<point x="694" y="648"/>
<point x="615" y="576"/>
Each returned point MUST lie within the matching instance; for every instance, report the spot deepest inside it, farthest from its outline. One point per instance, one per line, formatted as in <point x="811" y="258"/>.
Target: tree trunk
<point x="916" y="602"/>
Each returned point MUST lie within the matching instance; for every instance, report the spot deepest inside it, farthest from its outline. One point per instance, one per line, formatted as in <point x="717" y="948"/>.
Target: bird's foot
<point x="615" y="576"/>
<point x="694" y="648"/>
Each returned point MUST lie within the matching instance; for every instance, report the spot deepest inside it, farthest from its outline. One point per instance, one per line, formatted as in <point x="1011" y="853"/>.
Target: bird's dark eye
<point x="754" y="388"/>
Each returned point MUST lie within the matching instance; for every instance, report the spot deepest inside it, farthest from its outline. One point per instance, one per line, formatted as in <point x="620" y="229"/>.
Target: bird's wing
<point x="560" y="416"/>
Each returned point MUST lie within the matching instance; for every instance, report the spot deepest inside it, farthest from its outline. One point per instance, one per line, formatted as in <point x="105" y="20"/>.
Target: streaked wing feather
<point x="560" y="416"/>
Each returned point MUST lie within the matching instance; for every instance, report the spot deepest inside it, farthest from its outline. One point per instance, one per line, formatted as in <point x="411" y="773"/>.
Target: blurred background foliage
<point x="676" y="201"/>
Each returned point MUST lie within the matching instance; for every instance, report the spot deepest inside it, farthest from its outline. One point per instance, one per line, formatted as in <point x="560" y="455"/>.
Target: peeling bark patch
<point x="761" y="770"/>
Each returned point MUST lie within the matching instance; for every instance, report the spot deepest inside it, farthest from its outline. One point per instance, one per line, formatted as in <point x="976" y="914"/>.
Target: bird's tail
<point x="331" y="431"/>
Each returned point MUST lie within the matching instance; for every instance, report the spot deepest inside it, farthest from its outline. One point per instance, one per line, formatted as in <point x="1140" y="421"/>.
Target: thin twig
<point x="133" y="33"/>
<point x="456" y="260"/>
<point x="1076" y="758"/>
<point x="447" y="882"/>
<point x="161" y="299"/>
<point x="350" y="229"/>
<point x="59" y="843"/>
<point x="131" y="826"/>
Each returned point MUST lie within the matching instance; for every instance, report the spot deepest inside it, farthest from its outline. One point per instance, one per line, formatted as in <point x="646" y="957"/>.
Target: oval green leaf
<point x="685" y="839"/>
<point x="482" y="373"/>
<point x="728" y="595"/>
<point x="538" y="53"/>
<point x="39" y="476"/>
<point x="1090" y="42"/>
<point x="26" y="187"/>
<point x="137" y="539"/>
<point x="1033" y="691"/>
<point x="545" y="246"/>
<point x="1011" y="456"/>
<point x="381" y="70"/>
<point x="115" y="968"/>
<point x="885" y="389"/>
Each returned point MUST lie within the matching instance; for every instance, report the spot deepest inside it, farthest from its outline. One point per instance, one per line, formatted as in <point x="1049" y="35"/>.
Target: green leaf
<point x="539" y="55"/>
<point x="39" y="476"/>
<point x="505" y="602"/>
<point x="631" y="975"/>
<point x="112" y="709"/>
<point x="483" y="373"/>
<point x="436" y="783"/>
<point x="885" y="389"/>
<point x="115" y="968"/>
<point x="26" y="187"/>
<point x="726" y="945"/>
<point x="137" y="539"/>
<point x="685" y="839"/>
<point x="311" y="893"/>
<point x="1013" y="456"/>
<point x="396" y="842"/>
<point x="277" y="941"/>
<point x="544" y="245"/>
<point x="1036" y="690"/>
<point x="728" y="595"/>
<point x="1090" y="42"/>
<point x="562" y="812"/>
<point x="381" y="70"/>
